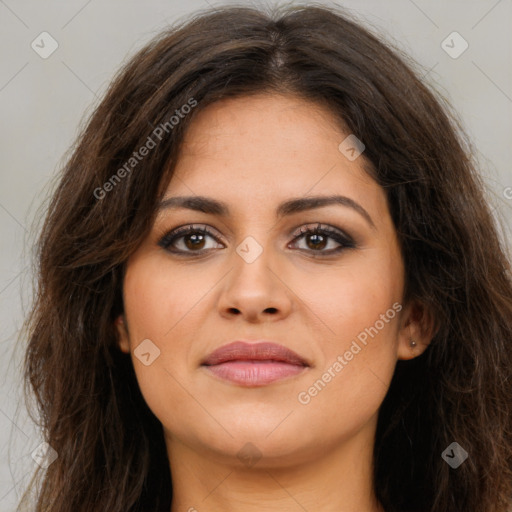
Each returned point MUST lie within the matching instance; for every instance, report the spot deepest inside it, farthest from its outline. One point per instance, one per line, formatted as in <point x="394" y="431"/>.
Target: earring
<point x="412" y="342"/>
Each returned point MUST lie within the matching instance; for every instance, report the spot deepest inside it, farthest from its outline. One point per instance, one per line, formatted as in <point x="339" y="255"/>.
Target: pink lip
<point x="254" y="364"/>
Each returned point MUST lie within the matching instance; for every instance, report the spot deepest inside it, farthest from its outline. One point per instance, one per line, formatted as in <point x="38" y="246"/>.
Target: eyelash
<point x="172" y="236"/>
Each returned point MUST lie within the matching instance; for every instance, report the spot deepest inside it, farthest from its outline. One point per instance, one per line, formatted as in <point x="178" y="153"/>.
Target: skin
<point x="253" y="153"/>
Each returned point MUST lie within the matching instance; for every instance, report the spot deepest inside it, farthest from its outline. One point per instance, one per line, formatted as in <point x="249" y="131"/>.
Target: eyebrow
<point x="212" y="206"/>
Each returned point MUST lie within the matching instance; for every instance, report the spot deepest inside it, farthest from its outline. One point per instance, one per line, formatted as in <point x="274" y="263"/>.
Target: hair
<point x="110" y="446"/>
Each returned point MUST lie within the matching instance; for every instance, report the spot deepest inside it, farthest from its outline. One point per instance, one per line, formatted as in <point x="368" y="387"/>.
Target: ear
<point x="122" y="332"/>
<point x="418" y="327"/>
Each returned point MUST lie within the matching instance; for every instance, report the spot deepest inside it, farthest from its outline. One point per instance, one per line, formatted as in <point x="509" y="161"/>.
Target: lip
<point x="254" y="364"/>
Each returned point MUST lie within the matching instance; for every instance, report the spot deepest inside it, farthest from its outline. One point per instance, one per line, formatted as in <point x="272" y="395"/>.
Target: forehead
<point x="267" y="147"/>
<point x="264" y="124"/>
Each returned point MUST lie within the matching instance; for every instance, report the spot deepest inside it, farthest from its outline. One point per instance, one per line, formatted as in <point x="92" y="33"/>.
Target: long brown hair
<point x="111" y="450"/>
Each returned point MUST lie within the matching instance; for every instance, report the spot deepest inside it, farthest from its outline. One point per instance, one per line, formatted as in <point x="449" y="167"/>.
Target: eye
<point x="318" y="237"/>
<point x="190" y="238"/>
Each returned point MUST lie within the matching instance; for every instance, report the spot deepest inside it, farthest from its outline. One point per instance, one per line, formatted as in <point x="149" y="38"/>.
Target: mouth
<point x="254" y="364"/>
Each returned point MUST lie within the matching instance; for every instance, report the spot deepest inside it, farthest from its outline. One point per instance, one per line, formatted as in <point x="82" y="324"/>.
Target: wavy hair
<point x="110" y="446"/>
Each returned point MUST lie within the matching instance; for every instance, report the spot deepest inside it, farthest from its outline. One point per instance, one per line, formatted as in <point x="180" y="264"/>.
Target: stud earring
<point x="412" y="342"/>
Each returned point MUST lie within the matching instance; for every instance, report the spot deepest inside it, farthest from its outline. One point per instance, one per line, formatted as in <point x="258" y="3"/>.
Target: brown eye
<point x="187" y="239"/>
<point x="317" y="239"/>
<point x="194" y="240"/>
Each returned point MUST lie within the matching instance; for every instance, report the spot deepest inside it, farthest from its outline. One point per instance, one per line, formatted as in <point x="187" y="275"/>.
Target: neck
<point x="324" y="479"/>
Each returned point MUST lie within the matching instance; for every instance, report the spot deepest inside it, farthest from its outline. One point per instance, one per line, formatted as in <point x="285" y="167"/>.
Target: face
<point x="262" y="271"/>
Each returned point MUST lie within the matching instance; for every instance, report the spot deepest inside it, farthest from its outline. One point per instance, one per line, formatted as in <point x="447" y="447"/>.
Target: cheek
<point x="163" y="305"/>
<point x="361" y="306"/>
<point x="348" y="388"/>
<point x="353" y="296"/>
<point x="160" y="298"/>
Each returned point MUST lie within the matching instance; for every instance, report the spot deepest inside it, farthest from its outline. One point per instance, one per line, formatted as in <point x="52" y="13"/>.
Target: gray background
<point x="44" y="101"/>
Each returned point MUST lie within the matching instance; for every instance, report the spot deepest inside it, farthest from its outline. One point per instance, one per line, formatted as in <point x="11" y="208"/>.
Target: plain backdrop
<point x="43" y="101"/>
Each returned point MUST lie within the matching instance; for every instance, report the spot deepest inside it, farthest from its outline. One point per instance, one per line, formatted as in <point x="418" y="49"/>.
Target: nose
<point x="255" y="291"/>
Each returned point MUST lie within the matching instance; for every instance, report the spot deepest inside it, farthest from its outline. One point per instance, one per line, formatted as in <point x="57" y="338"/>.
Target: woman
<point x="268" y="280"/>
